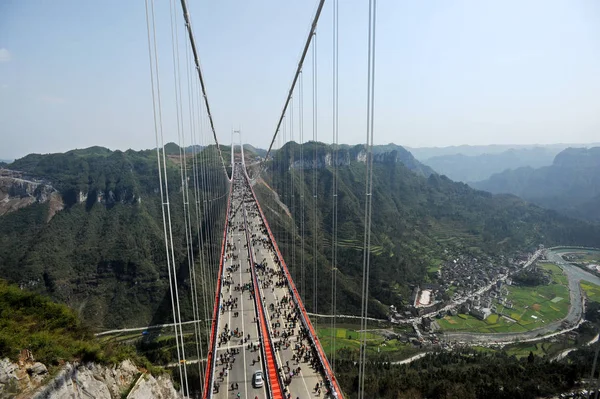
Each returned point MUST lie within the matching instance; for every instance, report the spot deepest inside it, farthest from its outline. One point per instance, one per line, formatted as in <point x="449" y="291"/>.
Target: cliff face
<point x="18" y="191"/>
<point x="31" y="380"/>
<point x="345" y="155"/>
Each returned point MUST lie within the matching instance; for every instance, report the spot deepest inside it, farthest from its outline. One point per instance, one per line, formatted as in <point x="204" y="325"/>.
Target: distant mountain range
<point x="471" y="168"/>
<point x="423" y="153"/>
<point x="570" y="185"/>
<point x="475" y="163"/>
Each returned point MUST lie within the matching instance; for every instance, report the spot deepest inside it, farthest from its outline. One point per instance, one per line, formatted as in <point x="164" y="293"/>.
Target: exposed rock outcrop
<point x="24" y="380"/>
<point x="18" y="191"/>
<point x="325" y="158"/>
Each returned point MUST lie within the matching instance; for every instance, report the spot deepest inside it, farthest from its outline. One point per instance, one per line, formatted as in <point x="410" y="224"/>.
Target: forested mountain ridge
<point x="417" y="222"/>
<point x="570" y="185"/>
<point x="104" y="253"/>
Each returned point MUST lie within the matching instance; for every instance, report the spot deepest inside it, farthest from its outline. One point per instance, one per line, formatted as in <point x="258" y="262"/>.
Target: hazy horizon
<point x="351" y="144"/>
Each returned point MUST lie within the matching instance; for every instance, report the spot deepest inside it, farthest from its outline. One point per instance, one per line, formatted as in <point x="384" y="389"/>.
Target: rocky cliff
<point x="28" y="379"/>
<point x="303" y="157"/>
<point x="18" y="190"/>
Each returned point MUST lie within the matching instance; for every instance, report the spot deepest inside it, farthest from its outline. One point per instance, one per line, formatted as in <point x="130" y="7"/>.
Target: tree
<point x="530" y="358"/>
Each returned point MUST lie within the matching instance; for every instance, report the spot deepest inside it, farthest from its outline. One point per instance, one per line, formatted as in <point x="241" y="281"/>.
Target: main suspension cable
<point x="313" y="28"/>
<point x="188" y="25"/>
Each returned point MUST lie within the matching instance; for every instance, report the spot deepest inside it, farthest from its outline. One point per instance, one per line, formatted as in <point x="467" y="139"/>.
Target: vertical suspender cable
<point x="315" y="160"/>
<point x="303" y="187"/>
<point x="176" y="77"/>
<point x="368" y="194"/>
<point x="209" y="280"/>
<point x="334" y="232"/>
<point x="188" y="222"/>
<point x="293" y="192"/>
<point x="206" y="209"/>
<point x="156" y="106"/>
<point x="283" y="188"/>
<point x="197" y="200"/>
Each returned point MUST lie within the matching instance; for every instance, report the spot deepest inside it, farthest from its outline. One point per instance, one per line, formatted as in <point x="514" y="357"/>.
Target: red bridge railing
<point x="212" y="348"/>
<point x="304" y="316"/>
<point x="274" y="383"/>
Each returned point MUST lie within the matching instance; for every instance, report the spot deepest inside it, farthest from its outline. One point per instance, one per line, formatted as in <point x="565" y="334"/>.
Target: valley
<point x="453" y="268"/>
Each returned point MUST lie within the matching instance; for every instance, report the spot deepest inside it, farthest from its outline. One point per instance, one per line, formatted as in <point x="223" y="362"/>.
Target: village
<point x="465" y="285"/>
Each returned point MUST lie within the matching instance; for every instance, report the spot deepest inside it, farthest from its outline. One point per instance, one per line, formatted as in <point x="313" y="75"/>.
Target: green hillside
<point x="104" y="253"/>
<point x="417" y="221"/>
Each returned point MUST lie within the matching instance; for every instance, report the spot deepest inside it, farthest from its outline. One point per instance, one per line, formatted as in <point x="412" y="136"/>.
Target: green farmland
<point x="532" y="308"/>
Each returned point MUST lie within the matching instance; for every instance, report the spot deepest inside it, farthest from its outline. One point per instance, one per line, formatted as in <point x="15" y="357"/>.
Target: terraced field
<point x="446" y="234"/>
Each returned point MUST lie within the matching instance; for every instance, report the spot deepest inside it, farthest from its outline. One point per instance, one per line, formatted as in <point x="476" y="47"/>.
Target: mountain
<point x="424" y="153"/>
<point x="570" y="185"/>
<point x="173" y="149"/>
<point x="418" y="222"/>
<point x="85" y="227"/>
<point x="471" y="168"/>
<point x="404" y="156"/>
<point x="254" y="150"/>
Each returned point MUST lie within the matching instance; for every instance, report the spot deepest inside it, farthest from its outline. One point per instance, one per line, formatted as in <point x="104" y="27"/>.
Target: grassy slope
<point x="52" y="332"/>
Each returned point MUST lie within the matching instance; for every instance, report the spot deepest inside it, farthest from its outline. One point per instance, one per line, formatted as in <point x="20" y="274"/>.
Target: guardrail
<point x="296" y="296"/>
<point x="274" y="383"/>
<point x="211" y="358"/>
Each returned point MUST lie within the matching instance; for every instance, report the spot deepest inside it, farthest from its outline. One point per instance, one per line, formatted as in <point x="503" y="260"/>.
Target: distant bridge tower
<point x="234" y="143"/>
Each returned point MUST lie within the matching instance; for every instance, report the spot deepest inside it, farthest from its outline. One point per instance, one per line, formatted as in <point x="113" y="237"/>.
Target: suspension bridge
<point x="259" y="341"/>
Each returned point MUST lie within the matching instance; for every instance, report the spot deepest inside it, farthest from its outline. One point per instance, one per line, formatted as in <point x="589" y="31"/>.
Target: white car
<point x="257" y="379"/>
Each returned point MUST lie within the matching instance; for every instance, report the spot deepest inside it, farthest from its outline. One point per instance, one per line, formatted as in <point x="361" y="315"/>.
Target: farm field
<point x="532" y="308"/>
<point x="591" y="290"/>
<point x="348" y="337"/>
<point x="543" y="348"/>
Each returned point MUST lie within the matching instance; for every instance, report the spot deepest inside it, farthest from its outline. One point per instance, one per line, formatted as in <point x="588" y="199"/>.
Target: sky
<point x="448" y="72"/>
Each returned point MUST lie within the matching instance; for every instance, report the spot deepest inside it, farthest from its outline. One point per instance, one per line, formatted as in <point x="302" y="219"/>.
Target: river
<point x="574" y="275"/>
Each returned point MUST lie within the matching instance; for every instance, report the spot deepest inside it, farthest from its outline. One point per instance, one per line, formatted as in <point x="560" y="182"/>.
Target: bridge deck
<point x="290" y="362"/>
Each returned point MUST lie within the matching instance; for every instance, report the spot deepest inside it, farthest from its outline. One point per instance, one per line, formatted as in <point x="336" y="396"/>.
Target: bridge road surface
<point x="302" y="384"/>
<point x="241" y="366"/>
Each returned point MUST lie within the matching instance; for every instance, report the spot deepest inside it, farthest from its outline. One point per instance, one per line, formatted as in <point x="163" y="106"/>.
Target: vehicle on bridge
<point x="257" y="379"/>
